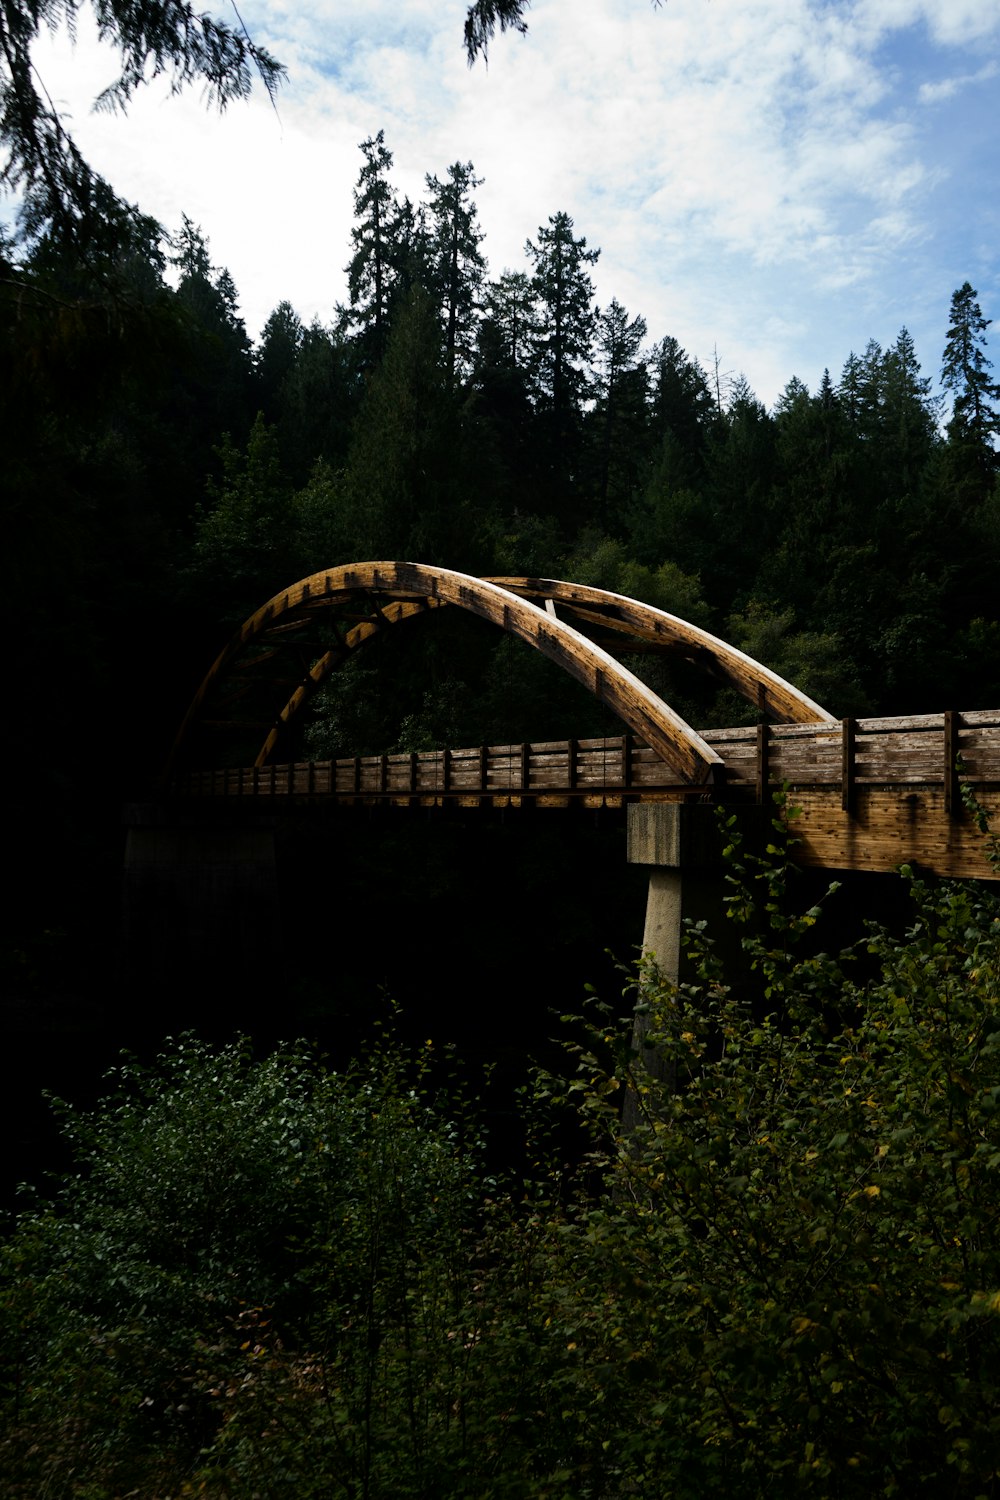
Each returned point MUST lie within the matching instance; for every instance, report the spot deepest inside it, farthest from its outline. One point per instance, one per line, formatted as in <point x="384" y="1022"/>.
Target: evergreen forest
<point x="165" y="475"/>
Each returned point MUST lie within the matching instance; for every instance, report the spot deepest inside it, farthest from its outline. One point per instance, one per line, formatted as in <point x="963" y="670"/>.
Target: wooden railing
<point x="549" y="768"/>
<point x="854" y="755"/>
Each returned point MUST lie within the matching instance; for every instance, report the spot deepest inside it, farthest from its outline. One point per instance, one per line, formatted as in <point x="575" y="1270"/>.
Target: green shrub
<point x="217" y="1198"/>
<point x="784" y="1279"/>
<point x="792" y="1282"/>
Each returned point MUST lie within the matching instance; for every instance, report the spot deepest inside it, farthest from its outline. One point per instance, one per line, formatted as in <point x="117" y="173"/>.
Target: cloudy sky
<point x="774" y="181"/>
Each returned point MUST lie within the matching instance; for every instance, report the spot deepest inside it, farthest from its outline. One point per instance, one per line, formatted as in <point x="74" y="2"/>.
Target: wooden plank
<point x="742" y="732"/>
<point x="902" y="724"/>
<point x="890" y="828"/>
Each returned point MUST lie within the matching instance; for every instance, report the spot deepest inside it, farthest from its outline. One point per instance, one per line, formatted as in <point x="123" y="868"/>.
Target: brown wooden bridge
<point x="873" y="793"/>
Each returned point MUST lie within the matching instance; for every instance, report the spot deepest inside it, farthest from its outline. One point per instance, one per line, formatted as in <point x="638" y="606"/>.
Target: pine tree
<point x="975" y="421"/>
<point x="510" y="325"/>
<point x="458" y="266"/>
<point x="684" y="411"/>
<point x="371" y="273"/>
<point x="244" y="539"/>
<point x="219" y="385"/>
<point x="319" y="401"/>
<point x="503" y="412"/>
<point x="405" y="489"/>
<point x="274" y="358"/>
<point x="620" y="412"/>
<point x="910" y="414"/>
<point x="564" y="295"/>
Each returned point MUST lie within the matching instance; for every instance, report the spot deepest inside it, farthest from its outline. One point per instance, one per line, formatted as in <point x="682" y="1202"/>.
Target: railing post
<point x="952" y="788"/>
<point x="848" y="768"/>
<point x="762" y="766"/>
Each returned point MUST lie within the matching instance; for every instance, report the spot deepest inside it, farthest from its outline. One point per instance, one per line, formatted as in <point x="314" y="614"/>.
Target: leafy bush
<point x="218" y="1197"/>
<point x="792" y="1284"/>
<point x="784" y="1279"/>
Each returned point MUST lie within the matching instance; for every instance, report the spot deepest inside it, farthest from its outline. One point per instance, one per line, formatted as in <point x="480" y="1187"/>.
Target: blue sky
<point x="777" y="181"/>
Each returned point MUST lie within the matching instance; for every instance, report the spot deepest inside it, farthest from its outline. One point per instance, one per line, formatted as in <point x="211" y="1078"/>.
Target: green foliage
<point x="604" y="563"/>
<point x="814" y="661"/>
<point x="243" y="545"/>
<point x="798" y="1259"/>
<point x="782" y="1278"/>
<point x="216" y="1195"/>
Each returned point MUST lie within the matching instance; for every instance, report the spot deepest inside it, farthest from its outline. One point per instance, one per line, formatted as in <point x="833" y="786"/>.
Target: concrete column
<point x="680" y="843"/>
<point x="661" y="936"/>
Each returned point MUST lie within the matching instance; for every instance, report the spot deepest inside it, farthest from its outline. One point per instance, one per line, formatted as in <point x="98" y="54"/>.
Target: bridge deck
<point x="873" y="793"/>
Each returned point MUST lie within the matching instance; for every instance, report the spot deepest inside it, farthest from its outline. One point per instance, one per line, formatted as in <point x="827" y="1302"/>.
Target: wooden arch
<point x="391" y="592"/>
<point x="770" y="693"/>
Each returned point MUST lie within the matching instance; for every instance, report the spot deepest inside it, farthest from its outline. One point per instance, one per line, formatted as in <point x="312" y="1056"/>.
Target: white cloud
<point x="947" y="88"/>
<point x="757" y="173"/>
<point x="949" y="22"/>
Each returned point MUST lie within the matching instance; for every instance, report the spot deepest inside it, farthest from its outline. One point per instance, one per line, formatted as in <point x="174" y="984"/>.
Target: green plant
<point x="217" y="1197"/>
<point x="791" y="1284"/>
<point x="782" y="1279"/>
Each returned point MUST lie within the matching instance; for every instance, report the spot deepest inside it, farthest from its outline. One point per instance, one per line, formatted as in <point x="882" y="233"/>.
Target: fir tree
<point x="370" y="273"/>
<point x="458" y="266"/>
<point x="564" y="295"/>
<point x="975" y="420"/>
<point x="620" y="410"/>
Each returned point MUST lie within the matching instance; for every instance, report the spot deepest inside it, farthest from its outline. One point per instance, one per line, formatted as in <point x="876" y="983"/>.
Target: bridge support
<point x="680" y="843"/>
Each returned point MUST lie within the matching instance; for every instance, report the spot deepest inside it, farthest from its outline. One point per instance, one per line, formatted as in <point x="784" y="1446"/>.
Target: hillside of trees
<point x="164" y="475"/>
